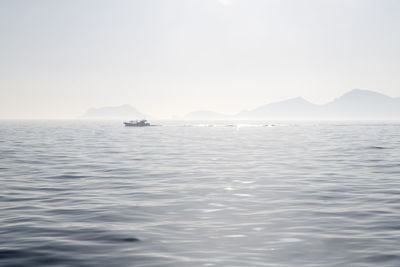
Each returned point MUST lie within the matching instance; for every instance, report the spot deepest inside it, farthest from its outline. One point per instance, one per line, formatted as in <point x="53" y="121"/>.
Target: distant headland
<point x="117" y="112"/>
<point x="355" y="104"/>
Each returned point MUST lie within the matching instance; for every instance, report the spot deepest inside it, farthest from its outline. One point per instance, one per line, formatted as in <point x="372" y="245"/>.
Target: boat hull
<point x="128" y="124"/>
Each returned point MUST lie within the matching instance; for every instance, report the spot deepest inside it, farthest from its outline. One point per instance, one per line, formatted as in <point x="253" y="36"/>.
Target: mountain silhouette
<point x="292" y="108"/>
<point x="117" y="112"/>
<point x="356" y="104"/>
<point x="363" y="104"/>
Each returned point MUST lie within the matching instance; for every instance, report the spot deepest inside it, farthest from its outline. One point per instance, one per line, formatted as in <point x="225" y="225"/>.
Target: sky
<point x="168" y="58"/>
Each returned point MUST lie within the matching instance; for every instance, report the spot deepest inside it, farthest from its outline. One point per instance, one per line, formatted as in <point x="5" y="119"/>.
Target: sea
<point x="200" y="193"/>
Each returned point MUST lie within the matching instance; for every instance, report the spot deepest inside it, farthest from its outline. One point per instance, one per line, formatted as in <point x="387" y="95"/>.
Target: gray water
<point x="76" y="193"/>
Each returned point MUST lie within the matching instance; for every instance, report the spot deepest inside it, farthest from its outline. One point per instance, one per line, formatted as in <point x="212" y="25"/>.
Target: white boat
<point x="141" y="123"/>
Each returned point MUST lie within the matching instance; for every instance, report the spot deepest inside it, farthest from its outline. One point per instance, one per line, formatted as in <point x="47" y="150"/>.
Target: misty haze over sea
<point x="354" y="105"/>
<point x="95" y="193"/>
<point x="200" y="133"/>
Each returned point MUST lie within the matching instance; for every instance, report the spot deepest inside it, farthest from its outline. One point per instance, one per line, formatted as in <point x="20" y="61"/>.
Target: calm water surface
<point x="76" y="193"/>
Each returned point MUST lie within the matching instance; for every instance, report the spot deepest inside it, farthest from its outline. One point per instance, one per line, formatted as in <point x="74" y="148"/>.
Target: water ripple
<point x="81" y="193"/>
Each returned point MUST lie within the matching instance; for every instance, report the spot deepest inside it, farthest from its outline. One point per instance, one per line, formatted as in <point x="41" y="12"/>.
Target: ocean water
<point x="95" y="193"/>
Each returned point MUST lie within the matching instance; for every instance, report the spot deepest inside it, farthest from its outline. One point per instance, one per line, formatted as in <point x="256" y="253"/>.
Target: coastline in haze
<point x="354" y="105"/>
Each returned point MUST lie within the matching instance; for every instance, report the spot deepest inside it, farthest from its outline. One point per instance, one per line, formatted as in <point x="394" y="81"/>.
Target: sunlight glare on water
<point x="91" y="193"/>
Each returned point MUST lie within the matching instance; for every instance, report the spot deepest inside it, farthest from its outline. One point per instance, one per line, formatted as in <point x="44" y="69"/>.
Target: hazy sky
<point x="170" y="57"/>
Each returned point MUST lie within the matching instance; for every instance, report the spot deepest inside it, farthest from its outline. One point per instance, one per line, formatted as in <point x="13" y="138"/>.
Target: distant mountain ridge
<point x="355" y="104"/>
<point x="363" y="104"/>
<point x="115" y="112"/>
<point x="286" y="109"/>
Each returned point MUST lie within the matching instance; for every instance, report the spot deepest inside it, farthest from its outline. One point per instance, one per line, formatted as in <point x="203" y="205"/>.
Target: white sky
<point x="58" y="58"/>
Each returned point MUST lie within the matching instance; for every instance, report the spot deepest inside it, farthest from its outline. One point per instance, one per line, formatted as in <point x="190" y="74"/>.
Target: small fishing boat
<point x="141" y="123"/>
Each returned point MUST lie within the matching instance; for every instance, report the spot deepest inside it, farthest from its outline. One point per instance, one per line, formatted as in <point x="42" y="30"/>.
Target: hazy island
<point x="355" y="104"/>
<point x="114" y="112"/>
